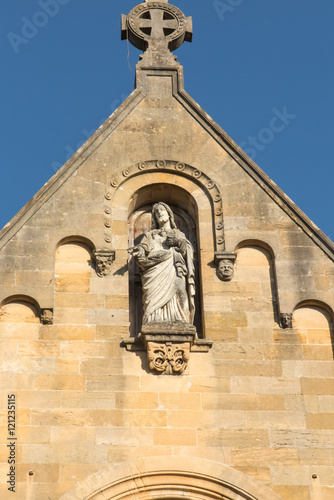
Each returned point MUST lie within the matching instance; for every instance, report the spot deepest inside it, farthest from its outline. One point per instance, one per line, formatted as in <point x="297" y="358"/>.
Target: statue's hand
<point x="172" y="241"/>
<point x="137" y="252"/>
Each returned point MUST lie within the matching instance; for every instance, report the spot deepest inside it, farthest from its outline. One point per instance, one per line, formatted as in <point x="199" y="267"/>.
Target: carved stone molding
<point x="225" y="265"/>
<point x="47" y="316"/>
<point x="175" y="168"/>
<point x="103" y="260"/>
<point x="286" y="320"/>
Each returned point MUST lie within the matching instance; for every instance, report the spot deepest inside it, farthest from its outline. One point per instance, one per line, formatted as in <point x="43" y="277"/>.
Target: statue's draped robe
<point x="168" y="279"/>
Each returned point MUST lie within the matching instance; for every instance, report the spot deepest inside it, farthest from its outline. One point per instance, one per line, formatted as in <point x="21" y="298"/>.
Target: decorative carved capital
<point x="47" y="316"/>
<point x="286" y="320"/>
<point x="103" y="260"/>
<point x="168" y="358"/>
<point x="168" y="346"/>
<point x="225" y="265"/>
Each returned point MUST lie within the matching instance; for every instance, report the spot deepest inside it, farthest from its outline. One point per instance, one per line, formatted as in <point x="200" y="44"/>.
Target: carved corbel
<point x="225" y="265"/>
<point x="168" y="346"/>
<point x="103" y="260"/>
<point x="169" y="358"/>
<point x="47" y="316"/>
<point x="286" y="320"/>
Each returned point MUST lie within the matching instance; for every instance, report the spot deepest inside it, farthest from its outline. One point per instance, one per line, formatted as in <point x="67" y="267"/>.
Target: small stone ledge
<point x="136" y="344"/>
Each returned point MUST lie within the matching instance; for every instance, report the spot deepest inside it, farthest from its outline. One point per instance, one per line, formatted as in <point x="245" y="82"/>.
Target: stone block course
<point x="255" y="456"/>
<point x="51" y="417"/>
<point x="242" y="438"/>
<point x="175" y="437"/>
<point x="253" y="368"/>
<point x="67" y="332"/>
<point x="104" y="418"/>
<point x="59" y="382"/>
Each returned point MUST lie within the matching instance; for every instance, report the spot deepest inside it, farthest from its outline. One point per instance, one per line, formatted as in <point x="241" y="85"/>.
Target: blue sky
<point x="65" y="70"/>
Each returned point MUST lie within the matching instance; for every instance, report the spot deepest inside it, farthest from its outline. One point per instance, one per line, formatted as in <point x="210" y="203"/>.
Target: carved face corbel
<point x="46" y="316"/>
<point x="225" y="265"/>
<point x="103" y="260"/>
<point x="286" y="320"/>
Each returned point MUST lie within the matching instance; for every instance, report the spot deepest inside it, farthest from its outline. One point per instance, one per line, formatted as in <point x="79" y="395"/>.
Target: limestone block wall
<point x="261" y="401"/>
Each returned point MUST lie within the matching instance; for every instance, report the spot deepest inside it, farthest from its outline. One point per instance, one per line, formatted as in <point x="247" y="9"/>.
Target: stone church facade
<point x="235" y="401"/>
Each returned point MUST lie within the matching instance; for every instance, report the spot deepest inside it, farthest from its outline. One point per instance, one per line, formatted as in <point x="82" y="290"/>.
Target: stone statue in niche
<point x="166" y="262"/>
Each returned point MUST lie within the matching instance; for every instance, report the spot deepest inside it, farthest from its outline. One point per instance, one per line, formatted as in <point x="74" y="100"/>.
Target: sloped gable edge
<point x="65" y="172"/>
<point x="257" y="174"/>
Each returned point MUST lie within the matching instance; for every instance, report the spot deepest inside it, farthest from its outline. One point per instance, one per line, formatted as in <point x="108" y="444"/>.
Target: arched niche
<point x="185" y="213"/>
<point x="170" y="478"/>
<point x="313" y="320"/>
<point x="73" y="265"/>
<point x="255" y="264"/>
<point x="177" y="190"/>
<point x="195" y="183"/>
<point x="19" y="309"/>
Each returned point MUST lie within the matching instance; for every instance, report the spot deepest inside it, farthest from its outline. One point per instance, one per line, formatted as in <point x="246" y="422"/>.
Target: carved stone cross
<point x="157" y="28"/>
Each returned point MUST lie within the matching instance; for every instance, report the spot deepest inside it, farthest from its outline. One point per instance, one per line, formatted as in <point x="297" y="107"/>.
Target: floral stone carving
<point x="168" y="358"/>
<point x="168" y="346"/>
<point x="103" y="260"/>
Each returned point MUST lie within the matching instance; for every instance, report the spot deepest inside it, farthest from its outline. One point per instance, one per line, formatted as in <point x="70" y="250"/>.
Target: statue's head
<point x="161" y="211"/>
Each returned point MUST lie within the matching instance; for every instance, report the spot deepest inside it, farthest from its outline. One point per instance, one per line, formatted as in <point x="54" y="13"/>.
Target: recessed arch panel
<point x="19" y="309"/>
<point x="314" y="320"/>
<point x="255" y="263"/>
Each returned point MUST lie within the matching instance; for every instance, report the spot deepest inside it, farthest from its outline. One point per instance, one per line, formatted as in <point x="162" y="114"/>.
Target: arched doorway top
<point x="170" y="477"/>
